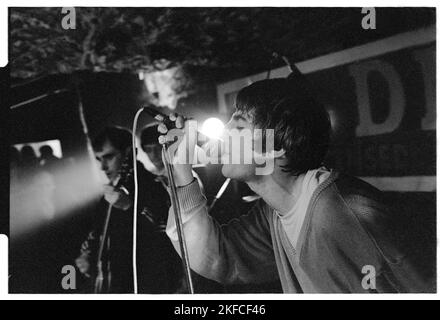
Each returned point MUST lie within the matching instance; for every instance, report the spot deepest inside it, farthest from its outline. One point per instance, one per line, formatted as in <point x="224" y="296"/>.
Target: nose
<point x="229" y="125"/>
<point x="226" y="131"/>
<point x="104" y="165"/>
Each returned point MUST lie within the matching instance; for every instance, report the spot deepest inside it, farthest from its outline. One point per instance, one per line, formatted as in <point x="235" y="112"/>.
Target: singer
<point x="314" y="229"/>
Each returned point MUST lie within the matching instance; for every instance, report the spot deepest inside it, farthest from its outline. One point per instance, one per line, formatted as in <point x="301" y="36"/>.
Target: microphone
<point x="202" y="139"/>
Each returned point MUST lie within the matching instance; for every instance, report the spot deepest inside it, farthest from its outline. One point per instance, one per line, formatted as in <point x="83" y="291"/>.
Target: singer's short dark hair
<point x="301" y="124"/>
<point x="119" y="137"/>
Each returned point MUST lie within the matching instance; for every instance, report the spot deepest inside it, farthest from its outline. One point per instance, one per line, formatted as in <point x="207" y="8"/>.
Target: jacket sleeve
<point x="236" y="253"/>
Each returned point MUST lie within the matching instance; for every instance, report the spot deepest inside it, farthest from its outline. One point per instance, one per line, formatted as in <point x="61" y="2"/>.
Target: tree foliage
<point x="229" y="39"/>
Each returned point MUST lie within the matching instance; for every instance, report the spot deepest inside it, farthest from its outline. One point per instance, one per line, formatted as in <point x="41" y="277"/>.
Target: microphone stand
<point x="178" y="219"/>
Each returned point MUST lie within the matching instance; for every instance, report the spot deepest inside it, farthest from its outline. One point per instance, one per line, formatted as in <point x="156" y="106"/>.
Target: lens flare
<point x="213" y="128"/>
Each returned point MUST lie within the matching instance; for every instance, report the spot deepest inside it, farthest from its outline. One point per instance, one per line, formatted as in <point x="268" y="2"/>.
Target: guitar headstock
<point x="126" y="173"/>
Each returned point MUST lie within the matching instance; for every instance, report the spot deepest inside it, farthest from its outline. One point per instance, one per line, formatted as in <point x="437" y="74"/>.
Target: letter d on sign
<point x="360" y="73"/>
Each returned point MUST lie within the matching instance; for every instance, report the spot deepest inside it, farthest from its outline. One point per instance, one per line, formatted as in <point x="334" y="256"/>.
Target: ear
<point x="274" y="154"/>
<point x="277" y="153"/>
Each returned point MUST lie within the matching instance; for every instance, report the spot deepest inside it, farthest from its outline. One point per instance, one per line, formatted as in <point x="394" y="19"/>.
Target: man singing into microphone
<point x="314" y="229"/>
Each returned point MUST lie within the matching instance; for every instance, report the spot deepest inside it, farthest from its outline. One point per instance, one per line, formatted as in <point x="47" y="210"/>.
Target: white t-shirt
<point x="293" y="220"/>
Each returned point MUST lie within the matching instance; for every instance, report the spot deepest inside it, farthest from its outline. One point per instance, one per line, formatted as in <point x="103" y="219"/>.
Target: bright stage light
<point x="213" y="128"/>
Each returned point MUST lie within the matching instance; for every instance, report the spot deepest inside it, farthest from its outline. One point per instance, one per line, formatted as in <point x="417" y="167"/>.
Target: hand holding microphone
<point x="179" y="136"/>
<point x="175" y="121"/>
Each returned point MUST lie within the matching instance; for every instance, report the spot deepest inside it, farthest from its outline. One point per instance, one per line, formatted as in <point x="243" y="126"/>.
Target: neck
<point x="279" y="190"/>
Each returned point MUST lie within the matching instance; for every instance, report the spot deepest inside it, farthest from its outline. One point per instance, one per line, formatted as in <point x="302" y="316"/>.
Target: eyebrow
<point x="237" y="117"/>
<point x="107" y="155"/>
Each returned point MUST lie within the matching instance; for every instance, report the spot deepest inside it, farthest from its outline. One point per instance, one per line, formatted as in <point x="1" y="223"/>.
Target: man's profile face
<point x="110" y="160"/>
<point x="243" y="172"/>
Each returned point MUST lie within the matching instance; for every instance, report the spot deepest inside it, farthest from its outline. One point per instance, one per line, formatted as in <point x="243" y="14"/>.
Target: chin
<point x="238" y="172"/>
<point x="226" y="170"/>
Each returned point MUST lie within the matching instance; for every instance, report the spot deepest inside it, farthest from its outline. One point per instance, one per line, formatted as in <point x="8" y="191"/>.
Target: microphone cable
<point x="135" y="205"/>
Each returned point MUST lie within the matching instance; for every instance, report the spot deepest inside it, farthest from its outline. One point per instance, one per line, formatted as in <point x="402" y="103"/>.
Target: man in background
<point x="158" y="264"/>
